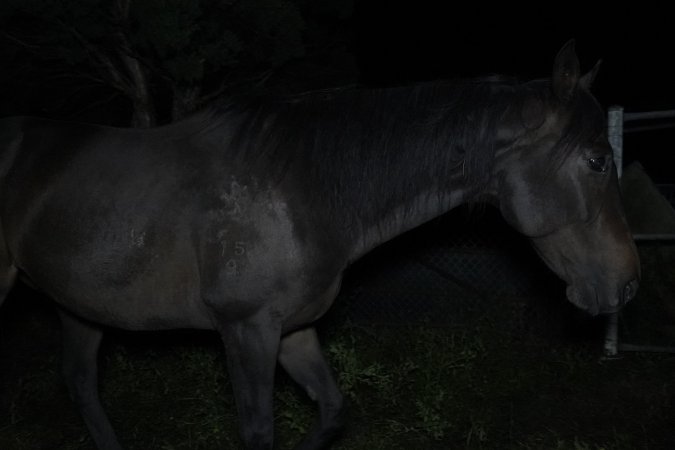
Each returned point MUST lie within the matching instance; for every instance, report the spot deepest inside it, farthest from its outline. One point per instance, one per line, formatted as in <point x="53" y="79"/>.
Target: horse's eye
<point x="598" y="164"/>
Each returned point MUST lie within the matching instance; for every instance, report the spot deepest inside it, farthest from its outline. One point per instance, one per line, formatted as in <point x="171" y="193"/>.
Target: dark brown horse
<point x="242" y="219"/>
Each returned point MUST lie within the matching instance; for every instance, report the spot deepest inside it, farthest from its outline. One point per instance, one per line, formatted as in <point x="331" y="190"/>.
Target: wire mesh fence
<point x="447" y="272"/>
<point x="463" y="266"/>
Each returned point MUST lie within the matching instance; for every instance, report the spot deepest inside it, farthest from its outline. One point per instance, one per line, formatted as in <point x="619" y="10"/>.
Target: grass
<point x="487" y="384"/>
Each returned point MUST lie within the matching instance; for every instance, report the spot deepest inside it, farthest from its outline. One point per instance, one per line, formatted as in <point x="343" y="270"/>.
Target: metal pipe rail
<point x="649" y="115"/>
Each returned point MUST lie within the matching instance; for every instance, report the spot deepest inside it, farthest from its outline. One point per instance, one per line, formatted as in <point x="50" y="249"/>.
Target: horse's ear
<point x="566" y="72"/>
<point x="586" y="81"/>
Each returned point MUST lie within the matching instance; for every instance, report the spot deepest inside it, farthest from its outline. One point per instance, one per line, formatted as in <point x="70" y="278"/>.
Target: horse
<point x="243" y="217"/>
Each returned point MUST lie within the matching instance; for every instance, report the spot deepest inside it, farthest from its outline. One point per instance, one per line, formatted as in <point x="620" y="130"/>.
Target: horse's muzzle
<point x="623" y="296"/>
<point x="593" y="301"/>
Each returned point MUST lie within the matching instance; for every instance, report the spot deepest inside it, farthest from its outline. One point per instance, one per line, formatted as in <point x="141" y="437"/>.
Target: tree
<point x="165" y="57"/>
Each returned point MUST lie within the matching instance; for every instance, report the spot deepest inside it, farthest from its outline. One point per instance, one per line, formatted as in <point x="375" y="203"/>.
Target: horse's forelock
<point x="585" y="124"/>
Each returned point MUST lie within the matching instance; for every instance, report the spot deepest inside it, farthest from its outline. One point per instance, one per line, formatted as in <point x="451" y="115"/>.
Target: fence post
<point x="615" y="136"/>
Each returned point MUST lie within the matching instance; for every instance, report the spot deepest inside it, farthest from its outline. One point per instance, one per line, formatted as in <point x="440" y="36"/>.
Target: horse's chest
<point x="248" y="239"/>
<point x="252" y="257"/>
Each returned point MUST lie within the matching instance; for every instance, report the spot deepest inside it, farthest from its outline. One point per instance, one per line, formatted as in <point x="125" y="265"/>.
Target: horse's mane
<point x="365" y="151"/>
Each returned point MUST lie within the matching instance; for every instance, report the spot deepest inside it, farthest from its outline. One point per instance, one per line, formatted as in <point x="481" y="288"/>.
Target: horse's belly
<point x="154" y="304"/>
<point x="156" y="301"/>
<point x="144" y="288"/>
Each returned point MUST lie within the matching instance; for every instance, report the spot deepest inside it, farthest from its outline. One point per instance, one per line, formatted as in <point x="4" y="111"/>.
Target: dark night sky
<point x="636" y="42"/>
<point x="396" y="43"/>
<point x="420" y="41"/>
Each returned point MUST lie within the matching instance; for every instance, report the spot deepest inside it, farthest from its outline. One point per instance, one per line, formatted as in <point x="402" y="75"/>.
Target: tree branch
<point x="144" y="109"/>
<point x="32" y="47"/>
<point x="110" y="70"/>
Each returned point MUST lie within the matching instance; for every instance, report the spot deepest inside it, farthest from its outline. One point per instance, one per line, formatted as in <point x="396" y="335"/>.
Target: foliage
<point x="411" y="387"/>
<point x="146" y="50"/>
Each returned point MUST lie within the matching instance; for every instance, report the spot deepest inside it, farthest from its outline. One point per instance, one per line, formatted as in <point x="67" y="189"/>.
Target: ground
<point x="503" y="380"/>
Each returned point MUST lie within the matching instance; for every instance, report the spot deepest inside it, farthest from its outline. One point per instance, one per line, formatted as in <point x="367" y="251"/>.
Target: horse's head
<point x="557" y="185"/>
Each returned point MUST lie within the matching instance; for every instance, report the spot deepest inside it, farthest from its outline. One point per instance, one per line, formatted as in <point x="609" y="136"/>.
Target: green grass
<point x="488" y="384"/>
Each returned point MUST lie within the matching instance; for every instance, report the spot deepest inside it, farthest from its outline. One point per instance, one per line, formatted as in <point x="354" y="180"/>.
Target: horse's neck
<point x="421" y="209"/>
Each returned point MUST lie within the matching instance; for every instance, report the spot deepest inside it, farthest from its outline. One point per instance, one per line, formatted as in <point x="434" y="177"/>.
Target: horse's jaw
<point x="602" y="273"/>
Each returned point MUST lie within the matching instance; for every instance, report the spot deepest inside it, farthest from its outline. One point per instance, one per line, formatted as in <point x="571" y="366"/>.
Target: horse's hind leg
<point x="301" y="356"/>
<point x="81" y="341"/>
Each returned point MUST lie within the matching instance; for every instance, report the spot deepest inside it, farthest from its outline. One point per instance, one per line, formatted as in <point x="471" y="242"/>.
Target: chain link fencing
<point x="450" y="271"/>
<point x="465" y="266"/>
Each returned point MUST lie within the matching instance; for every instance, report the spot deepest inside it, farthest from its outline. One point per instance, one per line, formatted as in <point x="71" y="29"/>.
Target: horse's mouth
<point x="587" y="300"/>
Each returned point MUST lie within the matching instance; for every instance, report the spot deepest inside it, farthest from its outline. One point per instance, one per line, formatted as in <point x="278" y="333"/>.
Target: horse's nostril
<point x="630" y="290"/>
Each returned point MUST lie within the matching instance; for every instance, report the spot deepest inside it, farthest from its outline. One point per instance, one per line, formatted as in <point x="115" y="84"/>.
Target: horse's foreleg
<point x="251" y="348"/>
<point x="80" y="348"/>
<point x="301" y="356"/>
